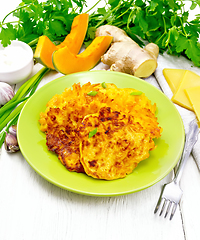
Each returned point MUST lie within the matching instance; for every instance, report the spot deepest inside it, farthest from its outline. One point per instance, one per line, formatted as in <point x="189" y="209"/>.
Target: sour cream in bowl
<point x="16" y="62"/>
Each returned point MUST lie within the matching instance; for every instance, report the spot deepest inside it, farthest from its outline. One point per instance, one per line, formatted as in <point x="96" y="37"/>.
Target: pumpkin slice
<point x="44" y="51"/>
<point x="74" y="40"/>
<point x="66" y="62"/>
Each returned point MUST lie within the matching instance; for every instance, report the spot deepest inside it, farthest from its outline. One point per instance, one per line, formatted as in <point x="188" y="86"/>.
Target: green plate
<point x="161" y="161"/>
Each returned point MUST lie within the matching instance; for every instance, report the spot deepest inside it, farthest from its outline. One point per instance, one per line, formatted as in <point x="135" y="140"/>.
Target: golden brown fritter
<point x="116" y="149"/>
<point x="63" y="115"/>
<point x="61" y="138"/>
<point x="67" y="149"/>
<point x="66" y="113"/>
<point x="75" y="103"/>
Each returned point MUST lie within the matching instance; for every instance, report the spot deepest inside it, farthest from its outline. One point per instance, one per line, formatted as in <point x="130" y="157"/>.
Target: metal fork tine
<point x="160" y="200"/>
<point x="156" y="208"/>
<point x="158" y="205"/>
<point x="163" y="207"/>
<point x="168" y="208"/>
<point x="173" y="211"/>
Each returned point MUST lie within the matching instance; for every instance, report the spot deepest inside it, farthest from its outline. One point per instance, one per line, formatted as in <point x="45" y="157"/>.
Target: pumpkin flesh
<point x="66" y="62"/>
<point x="74" y="40"/>
<point x="44" y="50"/>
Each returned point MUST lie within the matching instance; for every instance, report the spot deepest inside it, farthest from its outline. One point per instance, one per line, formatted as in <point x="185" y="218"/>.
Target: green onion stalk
<point x="11" y="110"/>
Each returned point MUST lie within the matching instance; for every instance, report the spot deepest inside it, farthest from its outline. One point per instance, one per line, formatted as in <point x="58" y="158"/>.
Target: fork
<point x="171" y="192"/>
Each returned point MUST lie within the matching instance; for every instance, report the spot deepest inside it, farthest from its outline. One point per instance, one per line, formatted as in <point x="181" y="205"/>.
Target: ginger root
<point x="125" y="55"/>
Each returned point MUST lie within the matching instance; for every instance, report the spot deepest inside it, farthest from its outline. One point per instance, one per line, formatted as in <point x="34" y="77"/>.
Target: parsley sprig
<point x="52" y="18"/>
<point x="164" y="22"/>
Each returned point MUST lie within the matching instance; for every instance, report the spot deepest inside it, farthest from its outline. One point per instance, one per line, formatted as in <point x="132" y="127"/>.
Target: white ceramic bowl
<point x="22" y="68"/>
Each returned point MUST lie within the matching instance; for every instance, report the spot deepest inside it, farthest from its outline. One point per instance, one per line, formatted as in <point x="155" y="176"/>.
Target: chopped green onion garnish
<point x="103" y="85"/>
<point x="92" y="93"/>
<point x="136" y="93"/>
<point x="92" y="133"/>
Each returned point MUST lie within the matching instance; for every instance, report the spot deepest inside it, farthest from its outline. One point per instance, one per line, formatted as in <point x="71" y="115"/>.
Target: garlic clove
<point x="6" y="93"/>
<point x="13" y="130"/>
<point x="10" y="143"/>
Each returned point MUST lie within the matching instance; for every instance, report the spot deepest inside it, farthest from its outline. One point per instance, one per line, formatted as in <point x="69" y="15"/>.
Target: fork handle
<point x="191" y="139"/>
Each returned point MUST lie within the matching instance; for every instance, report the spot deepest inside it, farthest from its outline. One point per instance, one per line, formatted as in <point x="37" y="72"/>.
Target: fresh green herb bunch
<point x="164" y="22"/>
<point x="52" y="18"/>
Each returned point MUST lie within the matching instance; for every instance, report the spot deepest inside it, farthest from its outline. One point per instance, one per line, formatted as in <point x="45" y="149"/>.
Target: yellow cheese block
<point x="193" y="95"/>
<point x="190" y="79"/>
<point x="173" y="77"/>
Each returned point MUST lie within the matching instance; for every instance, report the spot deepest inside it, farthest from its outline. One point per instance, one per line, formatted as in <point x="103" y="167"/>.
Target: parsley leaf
<point x="91" y="32"/>
<point x="182" y="44"/>
<point x="193" y="51"/>
<point x="7" y="34"/>
<point x="57" y="28"/>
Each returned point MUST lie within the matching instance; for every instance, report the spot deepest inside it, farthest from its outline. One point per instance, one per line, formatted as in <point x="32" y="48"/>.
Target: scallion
<point x="92" y="133"/>
<point x="92" y="93"/>
<point x="136" y="93"/>
<point x="11" y="110"/>
<point x="103" y="85"/>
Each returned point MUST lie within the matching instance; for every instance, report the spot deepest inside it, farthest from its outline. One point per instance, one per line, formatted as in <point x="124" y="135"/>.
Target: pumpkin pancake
<point x="64" y="118"/>
<point x="61" y="138"/>
<point x="63" y="115"/>
<point x="116" y="148"/>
